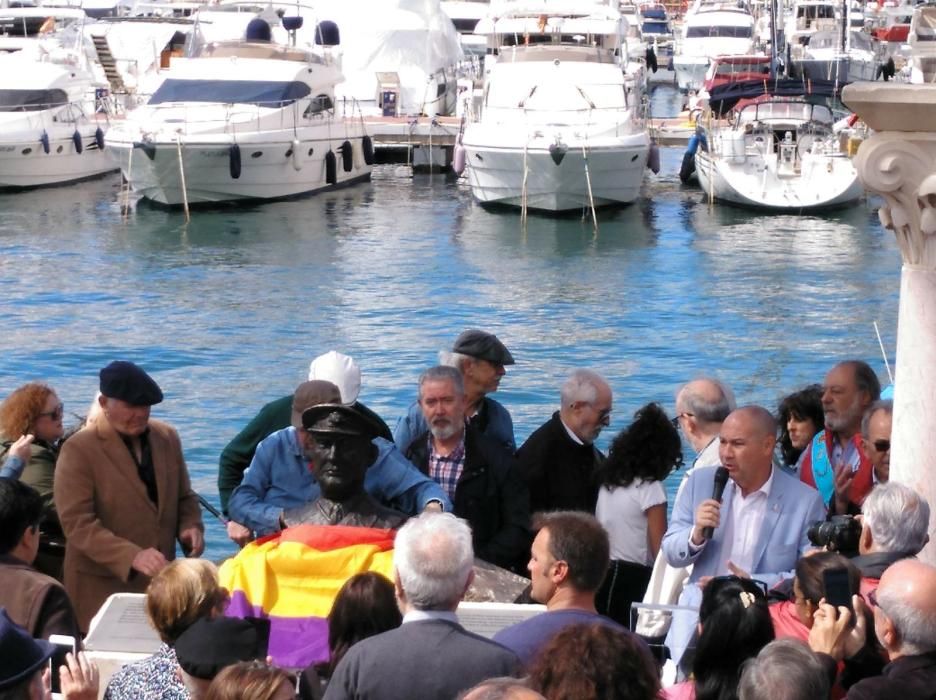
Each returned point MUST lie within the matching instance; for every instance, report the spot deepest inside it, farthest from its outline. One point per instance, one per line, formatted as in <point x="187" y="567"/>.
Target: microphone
<point x="721" y="480"/>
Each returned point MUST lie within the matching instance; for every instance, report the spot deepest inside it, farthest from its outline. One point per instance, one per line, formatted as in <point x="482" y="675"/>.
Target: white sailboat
<point x="779" y="151"/>
<point x="561" y="125"/>
<point x="253" y="118"/>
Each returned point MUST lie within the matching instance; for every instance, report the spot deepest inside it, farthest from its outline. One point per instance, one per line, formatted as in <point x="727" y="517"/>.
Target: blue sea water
<point x="227" y="311"/>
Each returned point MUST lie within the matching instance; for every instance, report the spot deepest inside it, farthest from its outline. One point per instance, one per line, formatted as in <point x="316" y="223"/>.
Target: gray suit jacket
<point x="432" y="659"/>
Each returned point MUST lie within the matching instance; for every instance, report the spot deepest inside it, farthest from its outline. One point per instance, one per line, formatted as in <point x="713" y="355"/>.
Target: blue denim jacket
<point x="279" y="478"/>
<point x="492" y="420"/>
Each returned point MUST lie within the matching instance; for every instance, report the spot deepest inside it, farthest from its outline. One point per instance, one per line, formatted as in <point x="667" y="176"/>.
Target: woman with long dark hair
<point x="800" y="417"/>
<point x="734" y="625"/>
<point x="632" y="506"/>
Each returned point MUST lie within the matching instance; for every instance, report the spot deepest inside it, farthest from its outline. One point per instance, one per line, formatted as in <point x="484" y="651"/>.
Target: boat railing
<point x="198" y="117"/>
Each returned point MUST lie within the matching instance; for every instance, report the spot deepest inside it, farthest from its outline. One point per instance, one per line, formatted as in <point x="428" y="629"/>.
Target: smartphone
<point x="836" y="588"/>
<point x="64" y="645"/>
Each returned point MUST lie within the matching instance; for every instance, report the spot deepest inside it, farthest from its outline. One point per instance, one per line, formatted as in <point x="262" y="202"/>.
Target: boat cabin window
<point x="816" y="11"/>
<point x="22" y="26"/>
<point x="31" y="100"/>
<point x="736" y="68"/>
<point x="785" y="112"/>
<point x="256" y="92"/>
<point x="655" y="28"/>
<point x="708" y="32"/>
<point x="319" y="103"/>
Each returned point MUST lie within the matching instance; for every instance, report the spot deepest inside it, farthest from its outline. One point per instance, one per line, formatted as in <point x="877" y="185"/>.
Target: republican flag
<point x="292" y="578"/>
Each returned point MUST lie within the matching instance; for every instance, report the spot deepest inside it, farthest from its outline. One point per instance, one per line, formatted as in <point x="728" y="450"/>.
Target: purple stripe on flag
<point x="295" y="642"/>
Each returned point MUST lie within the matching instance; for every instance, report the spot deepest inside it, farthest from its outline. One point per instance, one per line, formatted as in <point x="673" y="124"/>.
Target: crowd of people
<point x="785" y="592"/>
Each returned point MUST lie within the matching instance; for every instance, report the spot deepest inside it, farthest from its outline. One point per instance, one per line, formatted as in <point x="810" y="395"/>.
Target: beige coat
<point x="108" y="517"/>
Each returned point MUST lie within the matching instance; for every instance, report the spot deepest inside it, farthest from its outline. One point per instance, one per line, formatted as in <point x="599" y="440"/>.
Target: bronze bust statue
<point x="340" y="453"/>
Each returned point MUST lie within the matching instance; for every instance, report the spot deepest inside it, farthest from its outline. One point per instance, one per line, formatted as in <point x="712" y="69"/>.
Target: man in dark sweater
<point x="559" y="460"/>
<point x="430" y="655"/>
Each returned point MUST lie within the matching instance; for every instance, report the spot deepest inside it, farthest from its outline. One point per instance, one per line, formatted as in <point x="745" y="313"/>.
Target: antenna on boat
<point x="881" y="344"/>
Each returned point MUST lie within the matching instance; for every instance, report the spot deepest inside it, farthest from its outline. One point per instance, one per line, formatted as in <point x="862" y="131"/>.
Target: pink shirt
<point x="680" y="691"/>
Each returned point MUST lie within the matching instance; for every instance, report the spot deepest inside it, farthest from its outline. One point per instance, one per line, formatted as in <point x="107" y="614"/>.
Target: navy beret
<point x="128" y="382"/>
<point x="483" y="346"/>
<point x="20" y="655"/>
<point x="210" y="645"/>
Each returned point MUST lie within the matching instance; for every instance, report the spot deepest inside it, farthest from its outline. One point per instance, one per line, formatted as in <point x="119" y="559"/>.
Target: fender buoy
<point x="44" y="140"/>
<point x="367" y="145"/>
<point x="99" y="138"/>
<point x="331" y="168"/>
<point x="76" y="139"/>
<point x="653" y="159"/>
<point x="234" y="161"/>
<point x="687" y="169"/>
<point x="458" y="159"/>
<point x="296" y="158"/>
<point x="347" y="156"/>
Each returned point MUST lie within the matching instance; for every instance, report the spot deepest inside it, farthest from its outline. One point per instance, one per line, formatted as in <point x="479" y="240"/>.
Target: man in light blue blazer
<point x="760" y="526"/>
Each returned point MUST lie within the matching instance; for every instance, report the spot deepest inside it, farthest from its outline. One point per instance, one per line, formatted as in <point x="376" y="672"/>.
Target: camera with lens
<point x="840" y="533"/>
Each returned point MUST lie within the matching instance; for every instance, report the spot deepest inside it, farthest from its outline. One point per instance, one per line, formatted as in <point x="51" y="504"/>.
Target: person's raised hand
<point x="830" y="626"/>
<point x="22" y="448"/>
<point x="79" y="678"/>
<point x="707" y="515"/>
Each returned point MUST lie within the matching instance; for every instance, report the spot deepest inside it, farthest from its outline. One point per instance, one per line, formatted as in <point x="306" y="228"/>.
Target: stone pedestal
<point x="898" y="162"/>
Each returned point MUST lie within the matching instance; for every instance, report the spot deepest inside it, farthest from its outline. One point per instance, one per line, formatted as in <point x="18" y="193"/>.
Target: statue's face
<point x="339" y="463"/>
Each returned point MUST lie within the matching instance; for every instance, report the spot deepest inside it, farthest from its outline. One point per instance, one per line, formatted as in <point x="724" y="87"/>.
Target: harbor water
<point x="227" y="311"/>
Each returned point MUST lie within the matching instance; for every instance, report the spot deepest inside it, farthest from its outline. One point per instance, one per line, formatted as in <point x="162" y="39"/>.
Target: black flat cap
<point x="338" y="419"/>
<point x="20" y="655"/>
<point x="128" y="382"/>
<point x="210" y="645"/>
<point x="483" y="346"/>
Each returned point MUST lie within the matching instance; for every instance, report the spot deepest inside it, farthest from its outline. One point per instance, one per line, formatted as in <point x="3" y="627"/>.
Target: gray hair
<point x="582" y="385"/>
<point x="886" y="405"/>
<point x="433" y="558"/>
<point x="500" y="688"/>
<point x="898" y="518"/>
<point x="916" y="626"/>
<point x="443" y="373"/>
<point x="707" y="408"/>
<point x="785" y="669"/>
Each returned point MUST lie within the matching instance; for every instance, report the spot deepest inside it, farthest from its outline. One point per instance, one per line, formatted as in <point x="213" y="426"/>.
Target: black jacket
<point x="560" y="473"/>
<point x="491" y="496"/>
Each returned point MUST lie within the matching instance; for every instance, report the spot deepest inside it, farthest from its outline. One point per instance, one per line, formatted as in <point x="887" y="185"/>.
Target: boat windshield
<point x="711" y="31"/>
<point x="785" y="112"/>
<point x="31" y="100"/>
<point x="254" y="92"/>
<point x="655" y="28"/>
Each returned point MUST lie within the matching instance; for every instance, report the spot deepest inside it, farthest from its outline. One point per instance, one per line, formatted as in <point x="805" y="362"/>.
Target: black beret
<point x="210" y="645"/>
<point x="338" y="419"/>
<point x="483" y="346"/>
<point x="128" y="382"/>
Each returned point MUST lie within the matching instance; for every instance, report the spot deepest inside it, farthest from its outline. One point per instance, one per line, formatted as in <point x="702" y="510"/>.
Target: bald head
<point x="906" y="596"/>
<point x="745" y="446"/>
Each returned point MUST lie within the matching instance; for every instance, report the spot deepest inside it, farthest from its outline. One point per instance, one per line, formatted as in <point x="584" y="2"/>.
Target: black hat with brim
<point x="20" y="655"/>
<point x="128" y="382"/>
<point x="483" y="346"/>
<point x="338" y="419"/>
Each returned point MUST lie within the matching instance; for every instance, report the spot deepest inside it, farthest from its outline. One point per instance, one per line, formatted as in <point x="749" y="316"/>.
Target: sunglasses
<point x="881" y="445"/>
<point x="56" y="413"/>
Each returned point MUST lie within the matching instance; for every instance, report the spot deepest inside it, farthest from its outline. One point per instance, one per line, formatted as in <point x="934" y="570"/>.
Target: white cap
<point x="340" y="370"/>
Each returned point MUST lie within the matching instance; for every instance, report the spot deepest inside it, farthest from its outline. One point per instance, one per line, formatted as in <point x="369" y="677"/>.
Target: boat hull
<point x="823" y="183"/>
<point x="24" y="162"/>
<point x="272" y="168"/>
<point x="496" y="174"/>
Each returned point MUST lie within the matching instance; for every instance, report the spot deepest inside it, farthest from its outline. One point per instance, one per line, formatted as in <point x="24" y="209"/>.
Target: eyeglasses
<point x="56" y="413"/>
<point x="676" y="418"/>
<point x="872" y="598"/>
<point x="881" y="445"/>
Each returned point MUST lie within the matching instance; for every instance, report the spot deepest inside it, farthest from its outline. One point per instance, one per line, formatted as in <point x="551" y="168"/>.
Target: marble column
<point x="898" y="162"/>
